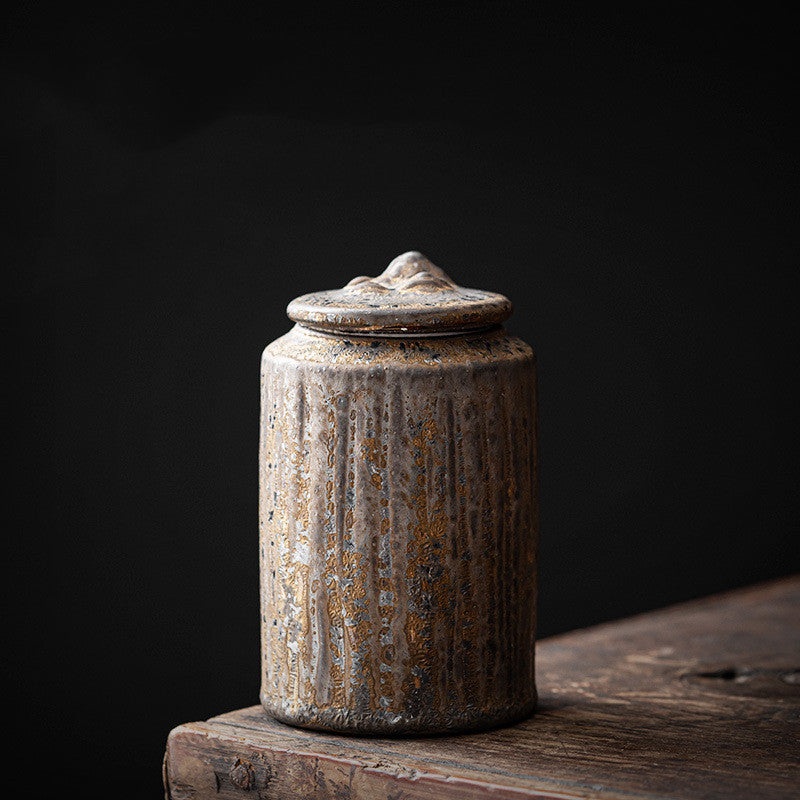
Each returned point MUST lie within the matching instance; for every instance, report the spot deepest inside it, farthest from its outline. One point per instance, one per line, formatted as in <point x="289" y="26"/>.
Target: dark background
<point x="177" y="176"/>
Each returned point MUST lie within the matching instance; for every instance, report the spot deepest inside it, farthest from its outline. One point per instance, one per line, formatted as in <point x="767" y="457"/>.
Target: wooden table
<point x="700" y="700"/>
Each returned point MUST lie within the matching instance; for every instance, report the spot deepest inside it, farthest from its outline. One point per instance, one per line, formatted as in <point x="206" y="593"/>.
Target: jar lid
<point x="411" y="297"/>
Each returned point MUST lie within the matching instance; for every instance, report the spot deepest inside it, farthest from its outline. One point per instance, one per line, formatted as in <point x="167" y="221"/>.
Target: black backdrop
<point x="177" y="177"/>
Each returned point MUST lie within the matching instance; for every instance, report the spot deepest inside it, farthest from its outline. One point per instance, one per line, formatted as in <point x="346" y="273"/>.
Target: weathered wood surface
<point x="701" y="700"/>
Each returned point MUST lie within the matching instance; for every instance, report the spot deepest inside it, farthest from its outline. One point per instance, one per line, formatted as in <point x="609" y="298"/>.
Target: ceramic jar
<point x="398" y="509"/>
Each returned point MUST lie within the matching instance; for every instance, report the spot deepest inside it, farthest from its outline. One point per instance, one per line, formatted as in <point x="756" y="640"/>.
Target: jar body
<point x="398" y="531"/>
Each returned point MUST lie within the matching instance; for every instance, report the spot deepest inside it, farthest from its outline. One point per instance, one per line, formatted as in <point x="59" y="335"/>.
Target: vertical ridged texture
<point x="398" y="518"/>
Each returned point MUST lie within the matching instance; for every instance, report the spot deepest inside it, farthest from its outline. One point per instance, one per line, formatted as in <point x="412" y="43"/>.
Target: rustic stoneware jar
<point x="398" y="509"/>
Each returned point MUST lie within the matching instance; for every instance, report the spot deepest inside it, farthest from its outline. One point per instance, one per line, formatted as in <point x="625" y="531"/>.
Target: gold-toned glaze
<point x="398" y="518"/>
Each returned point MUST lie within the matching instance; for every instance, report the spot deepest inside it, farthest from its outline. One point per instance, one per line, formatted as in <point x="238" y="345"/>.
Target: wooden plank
<point x="698" y="701"/>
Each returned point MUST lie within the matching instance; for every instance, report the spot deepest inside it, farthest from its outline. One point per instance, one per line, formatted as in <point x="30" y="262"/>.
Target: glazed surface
<point x="398" y="521"/>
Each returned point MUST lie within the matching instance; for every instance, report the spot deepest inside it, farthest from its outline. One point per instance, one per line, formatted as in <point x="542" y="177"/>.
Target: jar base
<point x="389" y="724"/>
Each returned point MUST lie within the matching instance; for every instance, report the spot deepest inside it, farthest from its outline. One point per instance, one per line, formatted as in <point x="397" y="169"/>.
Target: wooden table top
<point x="700" y="700"/>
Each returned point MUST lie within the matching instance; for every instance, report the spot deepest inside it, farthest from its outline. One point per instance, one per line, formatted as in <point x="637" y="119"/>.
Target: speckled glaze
<point x="398" y="510"/>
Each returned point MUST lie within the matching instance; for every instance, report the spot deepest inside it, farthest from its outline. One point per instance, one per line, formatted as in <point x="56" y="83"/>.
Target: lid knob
<point x="410" y="271"/>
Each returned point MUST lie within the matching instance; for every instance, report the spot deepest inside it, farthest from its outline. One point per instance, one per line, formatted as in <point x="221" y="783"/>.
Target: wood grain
<point x="700" y="700"/>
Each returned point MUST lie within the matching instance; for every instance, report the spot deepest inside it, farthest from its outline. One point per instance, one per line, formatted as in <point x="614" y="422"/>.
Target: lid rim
<point x="388" y="333"/>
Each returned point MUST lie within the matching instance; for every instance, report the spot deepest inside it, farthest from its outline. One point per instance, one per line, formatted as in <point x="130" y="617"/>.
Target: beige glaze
<point x="398" y="521"/>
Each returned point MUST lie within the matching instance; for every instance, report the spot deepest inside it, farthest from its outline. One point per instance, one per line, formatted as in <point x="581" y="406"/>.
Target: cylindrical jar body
<point x="398" y="531"/>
